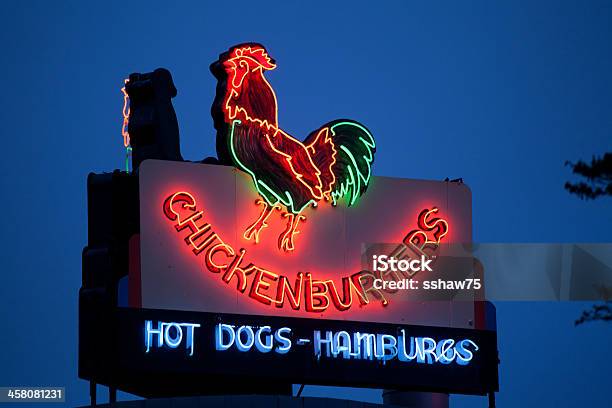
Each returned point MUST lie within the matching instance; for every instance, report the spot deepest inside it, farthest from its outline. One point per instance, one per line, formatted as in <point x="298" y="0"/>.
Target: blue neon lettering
<point x="219" y="337"/>
<point x="426" y="350"/>
<point x="365" y="343"/>
<point x="261" y="346"/>
<point x="385" y="347"/>
<point x="464" y="356"/>
<point x="245" y="337"/>
<point x="173" y="342"/>
<point x="402" y="355"/>
<point x="445" y="353"/>
<point x="387" y="343"/>
<point x="250" y="338"/>
<point x="150" y="332"/>
<point x="164" y="332"/>
<point x="285" y="342"/>
<point x="318" y="341"/>
<point x="340" y="344"/>
<point x="343" y="347"/>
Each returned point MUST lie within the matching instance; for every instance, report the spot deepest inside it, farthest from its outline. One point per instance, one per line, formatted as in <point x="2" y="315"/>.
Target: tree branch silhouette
<point x="601" y="312"/>
<point x="598" y="175"/>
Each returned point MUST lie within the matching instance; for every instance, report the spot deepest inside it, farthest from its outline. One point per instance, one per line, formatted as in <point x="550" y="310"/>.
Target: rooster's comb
<point x="255" y="52"/>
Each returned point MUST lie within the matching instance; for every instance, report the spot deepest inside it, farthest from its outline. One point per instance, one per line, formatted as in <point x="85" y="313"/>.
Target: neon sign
<point x="124" y="126"/>
<point x="273" y="289"/>
<point x="422" y="242"/>
<point x="340" y="344"/>
<point x="332" y="163"/>
<point x="245" y="337"/>
<point x="169" y="335"/>
<point x="387" y="347"/>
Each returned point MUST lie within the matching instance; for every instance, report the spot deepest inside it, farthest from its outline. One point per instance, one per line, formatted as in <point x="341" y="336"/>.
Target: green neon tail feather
<point x="355" y="148"/>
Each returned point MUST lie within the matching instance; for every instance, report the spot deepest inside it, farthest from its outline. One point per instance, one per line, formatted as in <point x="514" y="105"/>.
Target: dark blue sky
<point x="499" y="94"/>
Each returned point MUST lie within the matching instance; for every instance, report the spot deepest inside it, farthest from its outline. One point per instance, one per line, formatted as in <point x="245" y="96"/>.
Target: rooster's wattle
<point x="333" y="162"/>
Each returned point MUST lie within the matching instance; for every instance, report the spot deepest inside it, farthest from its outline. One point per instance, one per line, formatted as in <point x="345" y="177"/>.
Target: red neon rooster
<point x="331" y="163"/>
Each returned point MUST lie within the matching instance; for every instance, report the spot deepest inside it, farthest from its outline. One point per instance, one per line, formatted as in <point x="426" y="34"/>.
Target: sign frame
<point x="121" y="358"/>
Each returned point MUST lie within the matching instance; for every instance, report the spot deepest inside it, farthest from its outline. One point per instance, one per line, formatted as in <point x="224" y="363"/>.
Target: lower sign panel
<point x="161" y="352"/>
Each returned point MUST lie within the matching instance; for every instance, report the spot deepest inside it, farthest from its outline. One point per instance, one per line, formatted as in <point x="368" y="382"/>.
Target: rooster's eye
<point x="240" y="72"/>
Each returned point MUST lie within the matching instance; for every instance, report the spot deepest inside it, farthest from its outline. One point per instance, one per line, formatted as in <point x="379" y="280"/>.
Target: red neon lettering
<point x="419" y="243"/>
<point x="419" y="240"/>
<point x="220" y="247"/>
<point x="206" y="240"/>
<point x="318" y="294"/>
<point x="240" y="273"/>
<point x="315" y="295"/>
<point x="366" y="280"/>
<point x="186" y="201"/>
<point x="400" y="253"/>
<point x="357" y="286"/>
<point x="346" y="301"/>
<point x="293" y="295"/>
<point x="260" y="283"/>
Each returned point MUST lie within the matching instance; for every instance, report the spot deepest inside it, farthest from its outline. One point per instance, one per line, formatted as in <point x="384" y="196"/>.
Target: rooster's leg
<point x="253" y="231"/>
<point x="285" y="241"/>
